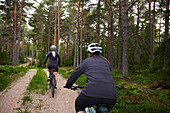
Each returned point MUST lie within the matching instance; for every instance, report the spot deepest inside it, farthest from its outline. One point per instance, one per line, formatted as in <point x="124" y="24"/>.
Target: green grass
<point x="8" y="74"/>
<point x="66" y="72"/>
<point x="134" y="93"/>
<point x="26" y="99"/>
<point x="38" y="83"/>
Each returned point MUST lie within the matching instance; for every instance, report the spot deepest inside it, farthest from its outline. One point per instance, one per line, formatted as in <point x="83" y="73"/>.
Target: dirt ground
<point x="11" y="98"/>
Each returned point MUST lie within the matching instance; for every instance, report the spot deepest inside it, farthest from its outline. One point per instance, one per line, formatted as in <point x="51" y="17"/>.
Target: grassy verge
<point x="38" y="84"/>
<point x="135" y="94"/>
<point x="8" y="74"/>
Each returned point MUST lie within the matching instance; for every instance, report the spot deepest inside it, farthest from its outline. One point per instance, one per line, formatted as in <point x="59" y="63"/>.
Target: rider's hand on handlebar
<point x="72" y="87"/>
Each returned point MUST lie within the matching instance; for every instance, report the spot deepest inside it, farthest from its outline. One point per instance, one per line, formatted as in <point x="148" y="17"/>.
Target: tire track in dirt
<point x="63" y="101"/>
<point x="9" y="100"/>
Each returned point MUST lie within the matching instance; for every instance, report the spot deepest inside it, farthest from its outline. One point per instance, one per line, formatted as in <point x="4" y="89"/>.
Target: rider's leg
<point x="55" y="73"/>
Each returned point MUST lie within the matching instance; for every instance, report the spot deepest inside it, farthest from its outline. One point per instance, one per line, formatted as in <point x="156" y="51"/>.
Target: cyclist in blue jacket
<point x="100" y="87"/>
<point x="54" y="61"/>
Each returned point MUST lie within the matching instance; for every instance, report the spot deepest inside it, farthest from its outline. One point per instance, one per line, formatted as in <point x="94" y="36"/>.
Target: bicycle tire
<point x="53" y="86"/>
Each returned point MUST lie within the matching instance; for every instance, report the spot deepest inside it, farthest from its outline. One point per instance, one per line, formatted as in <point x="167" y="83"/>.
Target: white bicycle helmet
<point x="53" y="48"/>
<point x="94" y="47"/>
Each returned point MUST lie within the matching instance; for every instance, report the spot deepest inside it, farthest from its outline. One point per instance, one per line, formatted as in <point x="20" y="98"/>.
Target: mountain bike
<point x="52" y="82"/>
<point x="101" y="108"/>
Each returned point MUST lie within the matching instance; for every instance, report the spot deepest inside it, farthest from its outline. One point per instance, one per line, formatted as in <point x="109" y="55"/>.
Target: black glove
<point x="67" y="87"/>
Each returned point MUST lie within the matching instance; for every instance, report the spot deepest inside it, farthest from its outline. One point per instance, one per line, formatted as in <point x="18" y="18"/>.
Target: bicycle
<point x="101" y="108"/>
<point x="52" y="82"/>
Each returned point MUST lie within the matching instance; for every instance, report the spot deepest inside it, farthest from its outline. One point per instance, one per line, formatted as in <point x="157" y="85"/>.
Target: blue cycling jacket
<point x="100" y="82"/>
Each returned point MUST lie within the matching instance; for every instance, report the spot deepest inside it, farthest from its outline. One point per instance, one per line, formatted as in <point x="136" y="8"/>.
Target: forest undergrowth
<point x="8" y="74"/>
<point x="143" y="92"/>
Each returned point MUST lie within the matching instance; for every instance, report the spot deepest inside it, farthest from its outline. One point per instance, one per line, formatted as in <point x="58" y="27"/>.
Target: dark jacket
<point x="53" y="60"/>
<point x="99" y="79"/>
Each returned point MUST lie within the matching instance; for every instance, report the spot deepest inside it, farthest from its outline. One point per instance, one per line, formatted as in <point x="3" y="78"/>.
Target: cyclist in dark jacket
<point x="54" y="61"/>
<point x="100" y="87"/>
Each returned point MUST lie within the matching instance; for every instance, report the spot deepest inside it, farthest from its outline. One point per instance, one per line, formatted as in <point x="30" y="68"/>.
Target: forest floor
<point x="11" y="100"/>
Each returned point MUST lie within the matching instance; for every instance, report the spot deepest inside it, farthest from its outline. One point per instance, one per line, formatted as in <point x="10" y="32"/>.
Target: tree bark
<point x="15" y="34"/>
<point x="98" y="21"/>
<point x="23" y="53"/>
<point x="125" y="44"/>
<point x="49" y="32"/>
<point x="41" y="36"/>
<point x="37" y="50"/>
<point x="137" y="35"/>
<point x="8" y="46"/>
<point x="160" y="33"/>
<point x="55" y="26"/>
<point x="153" y="34"/>
<point x="76" y="46"/>
<point x="150" y="33"/>
<point x="32" y="53"/>
<point x="166" y="61"/>
<point x="112" y="37"/>
<point x="19" y="33"/>
<point x="69" y="42"/>
<point x="120" y="37"/>
<point x="81" y="40"/>
<point x="58" y="25"/>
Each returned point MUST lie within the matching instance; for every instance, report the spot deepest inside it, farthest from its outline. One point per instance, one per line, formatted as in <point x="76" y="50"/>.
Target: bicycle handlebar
<point x="74" y="87"/>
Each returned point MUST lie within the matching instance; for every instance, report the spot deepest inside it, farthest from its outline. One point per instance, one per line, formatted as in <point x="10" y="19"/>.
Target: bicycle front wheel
<point x="53" y="86"/>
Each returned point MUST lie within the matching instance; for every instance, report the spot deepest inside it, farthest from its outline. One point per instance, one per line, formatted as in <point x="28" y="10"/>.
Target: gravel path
<point x="63" y="101"/>
<point x="9" y="99"/>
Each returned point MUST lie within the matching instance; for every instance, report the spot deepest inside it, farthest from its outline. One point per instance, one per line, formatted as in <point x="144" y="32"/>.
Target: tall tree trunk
<point x="153" y="34"/>
<point x="41" y="36"/>
<point x="112" y="37"/>
<point x="55" y="26"/>
<point x="49" y="32"/>
<point x="15" y="34"/>
<point x="26" y="49"/>
<point x="2" y="43"/>
<point x="75" y="54"/>
<point x="104" y="49"/>
<point x="23" y="53"/>
<point x="81" y="40"/>
<point x="77" y="49"/>
<point x="58" y="25"/>
<point x="120" y="37"/>
<point x="69" y="43"/>
<point x="37" y="50"/>
<point x="11" y="49"/>
<point x="29" y="49"/>
<point x="109" y="40"/>
<point x="137" y="35"/>
<point x="166" y="34"/>
<point x="160" y="33"/>
<point x="8" y="47"/>
<point x="19" y="33"/>
<point x="32" y="53"/>
<point x="125" y="42"/>
<point x="98" y="21"/>
<point x="150" y="33"/>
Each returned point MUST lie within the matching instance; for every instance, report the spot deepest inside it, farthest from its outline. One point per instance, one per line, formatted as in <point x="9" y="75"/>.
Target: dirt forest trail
<point x="63" y="101"/>
<point x="10" y="97"/>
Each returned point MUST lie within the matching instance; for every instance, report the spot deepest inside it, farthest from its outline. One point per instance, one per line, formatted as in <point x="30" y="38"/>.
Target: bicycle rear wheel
<point x="53" y="86"/>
